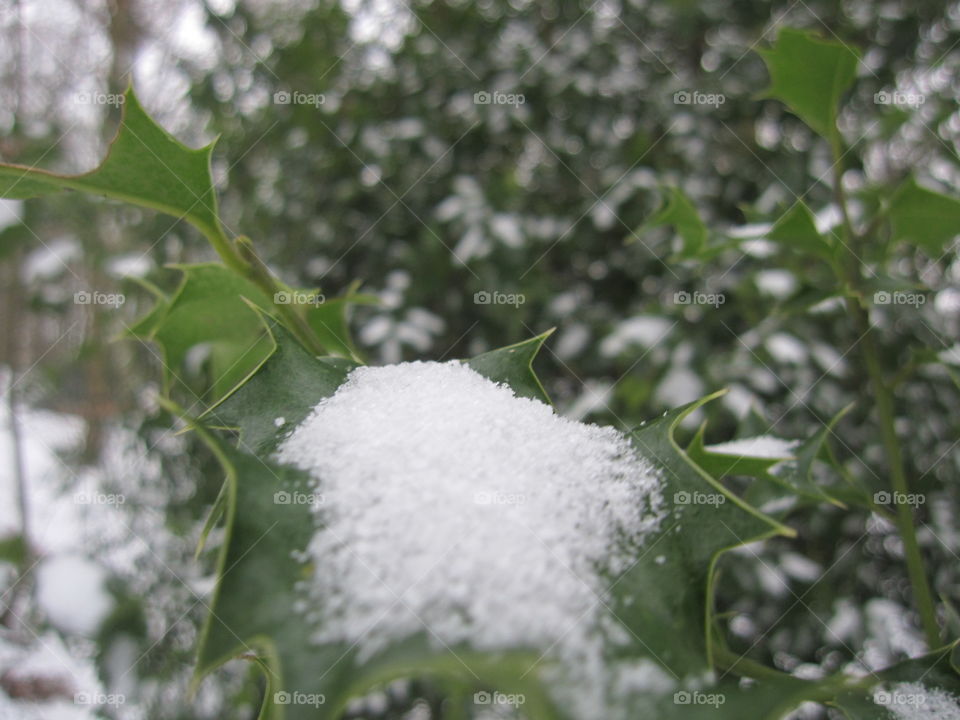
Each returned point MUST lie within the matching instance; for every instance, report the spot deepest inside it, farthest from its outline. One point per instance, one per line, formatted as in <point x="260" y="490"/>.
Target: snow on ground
<point x="492" y="517"/>
<point x="80" y="536"/>
<point x="46" y="681"/>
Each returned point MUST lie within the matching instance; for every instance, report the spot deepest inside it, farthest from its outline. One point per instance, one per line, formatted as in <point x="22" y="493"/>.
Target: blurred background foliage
<point x="400" y="180"/>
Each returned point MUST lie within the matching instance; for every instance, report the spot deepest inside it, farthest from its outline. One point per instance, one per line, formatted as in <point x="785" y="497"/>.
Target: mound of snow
<point x="448" y="506"/>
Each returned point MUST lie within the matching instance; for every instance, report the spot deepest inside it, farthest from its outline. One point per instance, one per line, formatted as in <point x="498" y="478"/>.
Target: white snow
<point x="458" y="510"/>
<point x="762" y="446"/>
<point x="644" y="330"/>
<point x="915" y="701"/>
<point x="71" y="591"/>
<point x="58" y="673"/>
<point x="785" y="348"/>
<point x="951" y="355"/>
<point x="777" y="283"/>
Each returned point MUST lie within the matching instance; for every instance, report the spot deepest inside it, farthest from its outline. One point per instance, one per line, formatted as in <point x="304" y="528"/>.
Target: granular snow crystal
<point x="456" y="509"/>
<point x="915" y="701"/>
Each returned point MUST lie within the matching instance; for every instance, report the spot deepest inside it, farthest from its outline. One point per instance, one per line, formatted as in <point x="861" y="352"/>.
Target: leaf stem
<point x="884" y="404"/>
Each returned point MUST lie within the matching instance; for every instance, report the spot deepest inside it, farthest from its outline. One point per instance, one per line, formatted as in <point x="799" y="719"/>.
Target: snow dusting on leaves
<point x="454" y="508"/>
<point x="915" y="701"/>
<point x="763" y="446"/>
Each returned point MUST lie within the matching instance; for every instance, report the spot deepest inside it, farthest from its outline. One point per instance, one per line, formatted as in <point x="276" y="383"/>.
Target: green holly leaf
<point x="796" y="230"/>
<point x="330" y="323"/>
<point x="209" y="315"/>
<point x="665" y="606"/>
<point x="914" y="686"/>
<point x="721" y="465"/>
<point x="682" y="214"/>
<point x="280" y="394"/>
<point x="788" y="483"/>
<point x="215" y="315"/>
<point x="924" y="218"/>
<point x="513" y="366"/>
<point x="144" y="165"/>
<point x="667" y="596"/>
<point x="810" y="76"/>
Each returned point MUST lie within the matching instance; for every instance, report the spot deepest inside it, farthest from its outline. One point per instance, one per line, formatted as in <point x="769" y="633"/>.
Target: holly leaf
<point x="788" y="483"/>
<point x="665" y="606"/>
<point x="280" y="394"/>
<point x="513" y="366"/>
<point x="722" y="464"/>
<point x="916" y="686"/>
<point x="215" y="318"/>
<point x="796" y="230"/>
<point x="924" y="218"/>
<point x="329" y="321"/>
<point x="144" y="165"/>
<point x="667" y="597"/>
<point x="208" y="319"/>
<point x="682" y="214"/>
<point x="810" y="76"/>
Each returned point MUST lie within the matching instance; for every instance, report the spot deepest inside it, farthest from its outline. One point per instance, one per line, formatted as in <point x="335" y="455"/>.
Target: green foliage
<point x="810" y="76"/>
<point x="145" y="166"/>
<point x="681" y="213"/>
<point x="924" y="218"/>
<point x="263" y="361"/>
<point x="795" y="229"/>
